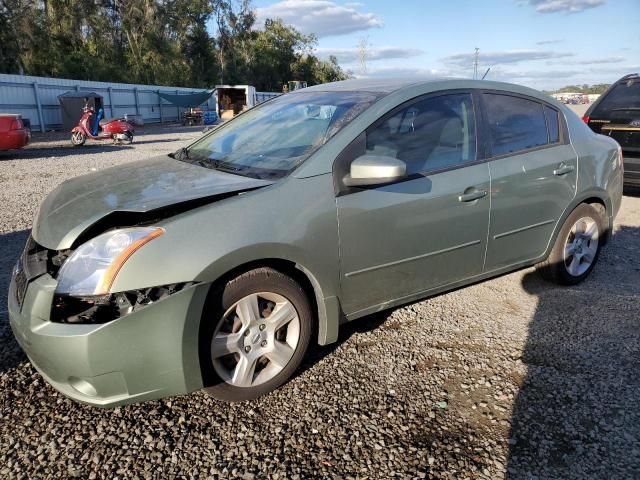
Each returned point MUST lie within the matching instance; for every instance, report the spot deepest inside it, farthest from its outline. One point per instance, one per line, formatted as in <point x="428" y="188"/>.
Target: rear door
<point x="533" y="176"/>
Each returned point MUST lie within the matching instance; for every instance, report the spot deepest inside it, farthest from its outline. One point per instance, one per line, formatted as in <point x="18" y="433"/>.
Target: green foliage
<point x="163" y="42"/>
<point x="585" y="89"/>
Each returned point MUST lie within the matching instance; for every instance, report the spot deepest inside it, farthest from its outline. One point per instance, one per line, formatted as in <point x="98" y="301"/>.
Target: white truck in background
<point x="234" y="99"/>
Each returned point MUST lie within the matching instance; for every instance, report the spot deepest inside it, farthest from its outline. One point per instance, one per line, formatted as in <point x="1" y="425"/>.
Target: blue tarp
<point x="187" y="100"/>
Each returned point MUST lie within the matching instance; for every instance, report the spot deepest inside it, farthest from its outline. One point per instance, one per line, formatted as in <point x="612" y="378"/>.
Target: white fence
<point x="36" y="98"/>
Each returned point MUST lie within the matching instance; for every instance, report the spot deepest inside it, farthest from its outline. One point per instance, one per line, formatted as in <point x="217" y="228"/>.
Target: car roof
<point x="384" y="85"/>
<point x="389" y="85"/>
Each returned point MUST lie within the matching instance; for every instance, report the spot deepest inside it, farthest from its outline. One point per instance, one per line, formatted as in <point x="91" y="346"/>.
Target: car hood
<point x="127" y="194"/>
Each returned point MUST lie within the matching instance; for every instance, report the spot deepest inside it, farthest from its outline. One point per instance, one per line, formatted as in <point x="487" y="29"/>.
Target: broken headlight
<point x="92" y="268"/>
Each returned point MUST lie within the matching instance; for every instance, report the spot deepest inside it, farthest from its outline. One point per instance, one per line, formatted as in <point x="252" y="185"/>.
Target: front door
<point x="429" y="230"/>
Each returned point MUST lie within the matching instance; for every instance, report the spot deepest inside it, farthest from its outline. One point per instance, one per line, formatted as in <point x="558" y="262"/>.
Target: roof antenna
<point x="485" y="73"/>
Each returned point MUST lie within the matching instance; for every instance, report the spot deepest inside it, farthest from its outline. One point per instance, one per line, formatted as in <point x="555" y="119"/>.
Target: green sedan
<point x="217" y="266"/>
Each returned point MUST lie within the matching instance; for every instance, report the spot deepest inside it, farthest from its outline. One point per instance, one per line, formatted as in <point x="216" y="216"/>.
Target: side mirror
<point x="375" y="170"/>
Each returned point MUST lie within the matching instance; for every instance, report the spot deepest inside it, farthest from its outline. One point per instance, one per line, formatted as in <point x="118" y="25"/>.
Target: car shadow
<point x="577" y="412"/>
<point x="164" y="140"/>
<point x="48" y="151"/>
<point x="365" y="324"/>
<point x="11" y="245"/>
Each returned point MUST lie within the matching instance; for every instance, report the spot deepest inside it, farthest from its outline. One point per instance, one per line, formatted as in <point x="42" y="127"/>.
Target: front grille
<point x="34" y="259"/>
<point x="20" y="279"/>
<point x="34" y="262"/>
<point x="38" y="260"/>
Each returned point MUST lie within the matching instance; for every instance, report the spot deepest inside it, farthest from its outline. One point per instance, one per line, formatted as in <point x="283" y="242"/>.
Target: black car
<point x="617" y="114"/>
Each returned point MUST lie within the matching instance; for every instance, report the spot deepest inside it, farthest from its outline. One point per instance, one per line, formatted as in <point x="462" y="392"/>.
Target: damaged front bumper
<point x="147" y="354"/>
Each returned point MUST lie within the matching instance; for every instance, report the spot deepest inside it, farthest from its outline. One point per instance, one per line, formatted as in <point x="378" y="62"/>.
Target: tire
<point x="585" y="226"/>
<point x="243" y="355"/>
<point x="78" y="139"/>
<point x="129" y="139"/>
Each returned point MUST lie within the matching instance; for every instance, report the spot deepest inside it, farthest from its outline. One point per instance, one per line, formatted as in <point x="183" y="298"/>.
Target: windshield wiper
<point x="180" y="154"/>
<point x="183" y="155"/>
<point x="226" y="167"/>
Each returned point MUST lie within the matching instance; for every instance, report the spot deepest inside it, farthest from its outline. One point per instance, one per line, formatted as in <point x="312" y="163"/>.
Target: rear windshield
<point x="270" y="140"/>
<point x="623" y="96"/>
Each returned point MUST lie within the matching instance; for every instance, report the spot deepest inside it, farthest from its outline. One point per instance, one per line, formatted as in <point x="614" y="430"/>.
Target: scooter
<point x="118" y="130"/>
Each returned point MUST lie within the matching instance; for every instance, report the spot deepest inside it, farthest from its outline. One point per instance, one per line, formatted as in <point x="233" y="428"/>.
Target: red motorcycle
<point x="96" y="128"/>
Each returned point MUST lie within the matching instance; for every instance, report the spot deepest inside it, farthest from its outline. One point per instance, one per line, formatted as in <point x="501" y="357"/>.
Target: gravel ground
<point x="510" y="378"/>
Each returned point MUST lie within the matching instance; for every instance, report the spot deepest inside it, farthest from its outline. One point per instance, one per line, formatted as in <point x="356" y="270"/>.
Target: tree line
<point x="192" y="43"/>
<point x="584" y="89"/>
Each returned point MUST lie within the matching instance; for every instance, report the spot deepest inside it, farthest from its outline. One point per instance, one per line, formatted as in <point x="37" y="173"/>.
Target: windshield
<point x="624" y="96"/>
<point x="273" y="138"/>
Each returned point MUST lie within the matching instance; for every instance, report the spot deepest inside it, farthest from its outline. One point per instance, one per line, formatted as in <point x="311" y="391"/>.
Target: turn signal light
<point x="16" y="124"/>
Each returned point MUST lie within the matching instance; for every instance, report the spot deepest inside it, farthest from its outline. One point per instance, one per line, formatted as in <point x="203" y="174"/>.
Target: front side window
<point x="273" y="138"/>
<point x="515" y="123"/>
<point x="431" y="134"/>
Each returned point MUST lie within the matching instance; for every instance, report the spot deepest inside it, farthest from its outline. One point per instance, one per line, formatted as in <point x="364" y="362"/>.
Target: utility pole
<point x="363" y="53"/>
<point x="475" y="64"/>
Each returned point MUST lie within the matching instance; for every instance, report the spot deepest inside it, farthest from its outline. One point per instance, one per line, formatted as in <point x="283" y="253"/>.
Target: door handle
<point x="471" y="196"/>
<point x="563" y="170"/>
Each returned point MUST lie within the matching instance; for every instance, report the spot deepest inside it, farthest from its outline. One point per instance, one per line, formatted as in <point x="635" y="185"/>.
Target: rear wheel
<point x="256" y="331"/>
<point x="577" y="247"/>
<point x="78" y="138"/>
<point x="129" y="139"/>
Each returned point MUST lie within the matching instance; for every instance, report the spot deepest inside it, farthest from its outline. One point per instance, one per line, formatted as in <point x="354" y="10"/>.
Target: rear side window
<point x="515" y="123"/>
<point x="553" y="124"/>
<point x="623" y="96"/>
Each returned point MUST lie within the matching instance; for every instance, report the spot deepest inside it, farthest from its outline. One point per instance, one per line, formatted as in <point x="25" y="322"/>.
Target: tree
<point x="162" y="42"/>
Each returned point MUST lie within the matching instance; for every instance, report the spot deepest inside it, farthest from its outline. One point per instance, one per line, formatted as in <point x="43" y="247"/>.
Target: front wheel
<point x="129" y="139"/>
<point x="78" y="139"/>
<point x="255" y="333"/>
<point x="577" y="247"/>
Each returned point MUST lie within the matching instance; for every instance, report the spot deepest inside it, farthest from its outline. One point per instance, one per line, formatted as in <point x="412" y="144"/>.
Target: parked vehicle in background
<point x="617" y="114"/>
<point x="93" y="126"/>
<point x="293" y="85"/>
<point x="193" y="116"/>
<point x="216" y="267"/>
<point x="233" y="99"/>
<point x="14" y="131"/>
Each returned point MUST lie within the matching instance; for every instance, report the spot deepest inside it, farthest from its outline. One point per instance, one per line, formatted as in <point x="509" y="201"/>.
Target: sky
<point x="544" y="44"/>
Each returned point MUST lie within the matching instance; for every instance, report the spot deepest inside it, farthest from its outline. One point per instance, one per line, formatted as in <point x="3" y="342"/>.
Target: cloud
<point x="537" y="74"/>
<point x="596" y="61"/>
<point x="588" y="61"/>
<point x="507" y="56"/>
<point x="413" y="72"/>
<point x="555" y="78"/>
<point x="324" y="18"/>
<point x="350" y="55"/>
<point x="549" y="42"/>
<point x="567" y="6"/>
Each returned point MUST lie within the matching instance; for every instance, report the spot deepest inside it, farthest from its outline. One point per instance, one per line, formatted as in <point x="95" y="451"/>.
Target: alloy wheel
<point x="255" y="340"/>
<point x="581" y="246"/>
